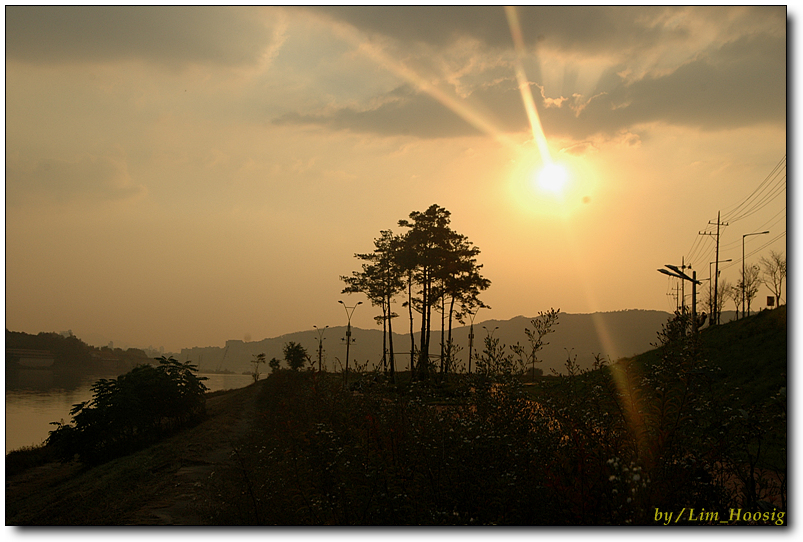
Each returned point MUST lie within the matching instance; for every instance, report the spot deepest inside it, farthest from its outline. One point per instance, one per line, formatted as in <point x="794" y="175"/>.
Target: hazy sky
<point x="180" y="176"/>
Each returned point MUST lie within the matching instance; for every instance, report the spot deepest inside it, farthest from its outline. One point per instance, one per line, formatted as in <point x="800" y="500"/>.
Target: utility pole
<point x="683" y="268"/>
<point x="710" y="283"/>
<point x="320" y="344"/>
<point x="715" y="316"/>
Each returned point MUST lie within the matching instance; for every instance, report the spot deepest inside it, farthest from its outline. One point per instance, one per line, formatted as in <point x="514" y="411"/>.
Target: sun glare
<point x="560" y="187"/>
<point x="553" y="178"/>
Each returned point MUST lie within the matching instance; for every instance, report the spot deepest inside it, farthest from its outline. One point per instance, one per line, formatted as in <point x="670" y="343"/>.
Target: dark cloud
<point x="168" y="35"/>
<point x="734" y="83"/>
<point x="579" y="28"/>
<point x="741" y="84"/>
<point x="407" y="112"/>
<point x="404" y="113"/>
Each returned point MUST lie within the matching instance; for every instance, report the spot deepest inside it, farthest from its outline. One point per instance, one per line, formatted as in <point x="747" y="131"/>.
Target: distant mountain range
<point x="610" y="334"/>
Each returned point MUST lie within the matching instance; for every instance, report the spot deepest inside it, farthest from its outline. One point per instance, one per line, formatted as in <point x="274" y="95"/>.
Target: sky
<point x="182" y="176"/>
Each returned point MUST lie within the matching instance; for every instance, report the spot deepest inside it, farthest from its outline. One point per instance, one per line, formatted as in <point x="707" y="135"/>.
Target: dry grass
<point x="130" y="489"/>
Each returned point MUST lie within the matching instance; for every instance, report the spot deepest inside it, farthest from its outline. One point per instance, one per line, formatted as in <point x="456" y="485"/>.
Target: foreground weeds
<point x="603" y="447"/>
<point x="325" y="456"/>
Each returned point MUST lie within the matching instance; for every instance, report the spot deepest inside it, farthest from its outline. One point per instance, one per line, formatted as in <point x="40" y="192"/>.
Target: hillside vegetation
<point x="626" y="333"/>
<point x="70" y="352"/>
<point x="697" y="423"/>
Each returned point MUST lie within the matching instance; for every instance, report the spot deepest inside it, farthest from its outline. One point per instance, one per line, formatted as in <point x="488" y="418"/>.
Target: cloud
<point x="589" y="29"/>
<point x="87" y="177"/>
<point x="714" y="68"/>
<point x="171" y="35"/>
<point x="741" y="84"/>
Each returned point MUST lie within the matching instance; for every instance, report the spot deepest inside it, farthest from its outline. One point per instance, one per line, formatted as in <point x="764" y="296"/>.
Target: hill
<point x="218" y="467"/>
<point x="611" y="334"/>
<point x="751" y="355"/>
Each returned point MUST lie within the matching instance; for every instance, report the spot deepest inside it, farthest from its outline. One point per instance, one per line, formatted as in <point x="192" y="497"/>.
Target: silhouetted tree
<point x="749" y="284"/>
<point x="542" y="326"/>
<point x="427" y="237"/>
<point x="442" y="263"/>
<point x="439" y="263"/>
<point x="274" y="364"/>
<point x="258" y="358"/>
<point x="460" y="283"/>
<point x="735" y="293"/>
<point x="295" y="355"/>
<point x="380" y="280"/>
<point x="774" y="273"/>
<point x="493" y="361"/>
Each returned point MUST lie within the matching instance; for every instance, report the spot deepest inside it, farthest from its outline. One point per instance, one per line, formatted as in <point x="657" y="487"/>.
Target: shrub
<point x="131" y="411"/>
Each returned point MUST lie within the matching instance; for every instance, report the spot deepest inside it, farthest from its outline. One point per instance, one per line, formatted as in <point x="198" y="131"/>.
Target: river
<point x="36" y="397"/>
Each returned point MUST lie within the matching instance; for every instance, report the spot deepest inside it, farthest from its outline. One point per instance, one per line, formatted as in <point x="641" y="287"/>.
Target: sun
<point x="553" y="178"/>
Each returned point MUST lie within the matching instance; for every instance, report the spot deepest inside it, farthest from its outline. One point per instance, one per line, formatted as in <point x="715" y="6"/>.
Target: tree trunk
<point x="449" y="339"/>
<point x="412" y="335"/>
<point x="423" y="354"/>
<point x="384" y="337"/>
<point x="390" y="343"/>
<point x="443" y="332"/>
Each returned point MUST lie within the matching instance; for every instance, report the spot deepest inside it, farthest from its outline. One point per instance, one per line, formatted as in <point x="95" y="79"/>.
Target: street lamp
<point x="714" y="313"/>
<point x="320" y="344"/>
<point x="490" y="333"/>
<point x="693" y="279"/>
<point x="471" y="336"/>
<point x="744" y="306"/>
<point x="348" y="335"/>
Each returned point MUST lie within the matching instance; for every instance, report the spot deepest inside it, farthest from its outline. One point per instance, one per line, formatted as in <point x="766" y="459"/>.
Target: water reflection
<point x="36" y="397"/>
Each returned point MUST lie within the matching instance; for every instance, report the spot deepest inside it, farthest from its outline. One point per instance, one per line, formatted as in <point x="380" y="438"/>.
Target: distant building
<point x="26" y="357"/>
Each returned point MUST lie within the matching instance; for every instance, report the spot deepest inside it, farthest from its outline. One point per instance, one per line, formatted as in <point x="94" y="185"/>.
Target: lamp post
<point x="693" y="279"/>
<point x="348" y="335"/>
<point x="682" y="271"/>
<point x="710" y="282"/>
<point x="490" y="333"/>
<point x="471" y="336"/>
<point x="744" y="306"/>
<point x="320" y="344"/>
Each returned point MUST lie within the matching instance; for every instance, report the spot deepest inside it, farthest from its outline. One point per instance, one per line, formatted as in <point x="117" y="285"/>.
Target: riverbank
<point x="161" y="485"/>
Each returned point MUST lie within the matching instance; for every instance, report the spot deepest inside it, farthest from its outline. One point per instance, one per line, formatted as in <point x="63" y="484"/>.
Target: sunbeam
<point x="524" y="86"/>
<point x="465" y="112"/>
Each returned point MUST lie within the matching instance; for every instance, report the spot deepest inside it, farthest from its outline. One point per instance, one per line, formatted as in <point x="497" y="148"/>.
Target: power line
<point x="774" y="192"/>
<point x="766" y="226"/>
<point x="770" y="188"/>
<point x="700" y="254"/>
<point x="736" y="213"/>
<point x="757" y="250"/>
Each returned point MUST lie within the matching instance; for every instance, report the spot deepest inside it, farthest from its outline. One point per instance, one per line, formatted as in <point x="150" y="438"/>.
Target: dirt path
<point x="230" y="418"/>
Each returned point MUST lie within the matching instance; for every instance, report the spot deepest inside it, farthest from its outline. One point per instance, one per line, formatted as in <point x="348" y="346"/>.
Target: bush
<point x="131" y="411"/>
<point x="324" y="455"/>
<point x="26" y="458"/>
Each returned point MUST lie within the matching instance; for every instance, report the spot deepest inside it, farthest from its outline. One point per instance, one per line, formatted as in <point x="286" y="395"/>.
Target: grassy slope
<point x="752" y="354"/>
<point x="122" y="491"/>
